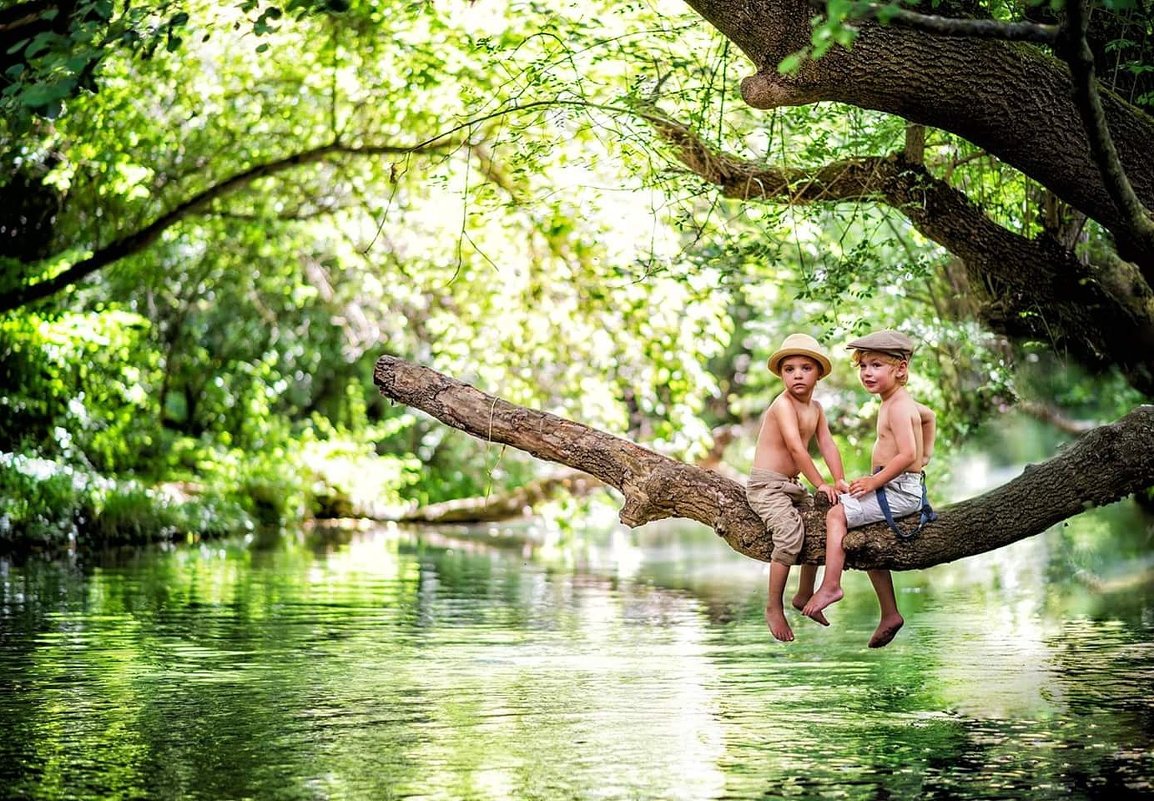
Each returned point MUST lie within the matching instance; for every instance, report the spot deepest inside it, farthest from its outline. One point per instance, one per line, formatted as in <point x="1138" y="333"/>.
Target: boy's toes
<point x="819" y="616"/>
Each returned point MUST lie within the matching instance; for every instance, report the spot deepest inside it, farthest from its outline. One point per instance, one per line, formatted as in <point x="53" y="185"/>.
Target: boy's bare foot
<point x="886" y="631"/>
<point x="775" y="618"/>
<point x="820" y="600"/>
<point x="799" y="603"/>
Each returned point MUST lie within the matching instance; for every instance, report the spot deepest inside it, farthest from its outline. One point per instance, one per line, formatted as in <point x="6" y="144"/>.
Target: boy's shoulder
<point x="900" y="400"/>
<point x="785" y="399"/>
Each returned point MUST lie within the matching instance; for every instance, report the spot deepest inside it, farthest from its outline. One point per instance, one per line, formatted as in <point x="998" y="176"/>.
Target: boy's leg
<point x="774" y="610"/>
<point x="805" y="585"/>
<point x="830" y="590"/>
<point x="891" y="620"/>
<point x="805" y="592"/>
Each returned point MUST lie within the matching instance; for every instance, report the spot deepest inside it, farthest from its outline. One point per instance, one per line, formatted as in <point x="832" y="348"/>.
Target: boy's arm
<point x="828" y="449"/>
<point x="790" y="431"/>
<point x="929" y="422"/>
<point x="902" y="421"/>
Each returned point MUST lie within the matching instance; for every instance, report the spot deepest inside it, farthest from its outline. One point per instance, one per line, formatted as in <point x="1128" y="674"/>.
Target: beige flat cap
<point x="894" y="343"/>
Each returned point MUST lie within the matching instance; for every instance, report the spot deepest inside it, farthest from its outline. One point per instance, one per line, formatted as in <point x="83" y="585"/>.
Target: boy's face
<point x="878" y="373"/>
<point x="800" y="374"/>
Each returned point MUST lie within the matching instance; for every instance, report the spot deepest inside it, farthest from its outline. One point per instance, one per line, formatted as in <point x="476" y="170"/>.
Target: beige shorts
<point x="904" y="495"/>
<point x="775" y="497"/>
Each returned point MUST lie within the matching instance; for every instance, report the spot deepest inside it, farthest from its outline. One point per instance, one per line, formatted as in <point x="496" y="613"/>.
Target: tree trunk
<point x="1105" y="465"/>
<point x="1010" y="99"/>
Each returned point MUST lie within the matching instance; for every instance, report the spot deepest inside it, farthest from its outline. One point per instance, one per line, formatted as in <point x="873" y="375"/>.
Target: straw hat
<point x="799" y="345"/>
<point x="891" y="343"/>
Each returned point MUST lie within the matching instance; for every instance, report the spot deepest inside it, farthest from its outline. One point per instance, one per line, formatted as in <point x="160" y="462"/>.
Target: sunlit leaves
<point x="83" y="378"/>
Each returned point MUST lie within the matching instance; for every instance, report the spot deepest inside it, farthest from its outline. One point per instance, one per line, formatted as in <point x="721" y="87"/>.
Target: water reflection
<point x="528" y="663"/>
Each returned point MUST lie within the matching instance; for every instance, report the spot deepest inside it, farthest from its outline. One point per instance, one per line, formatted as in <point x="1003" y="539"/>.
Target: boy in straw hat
<point x="773" y="490"/>
<point x="905" y="440"/>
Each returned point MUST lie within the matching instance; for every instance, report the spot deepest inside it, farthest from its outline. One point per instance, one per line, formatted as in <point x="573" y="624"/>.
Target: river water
<point x="588" y="663"/>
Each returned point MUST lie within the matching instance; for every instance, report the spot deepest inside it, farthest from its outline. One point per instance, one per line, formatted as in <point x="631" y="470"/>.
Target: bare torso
<point x="772" y="452"/>
<point x="898" y="409"/>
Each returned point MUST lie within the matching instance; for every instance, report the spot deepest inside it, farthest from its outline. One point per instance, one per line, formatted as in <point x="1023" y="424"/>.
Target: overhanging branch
<point x="139" y="240"/>
<point x="1010" y="99"/>
<point x="1076" y="51"/>
<point x="1032" y="288"/>
<point x="950" y="26"/>
<point x="1071" y="41"/>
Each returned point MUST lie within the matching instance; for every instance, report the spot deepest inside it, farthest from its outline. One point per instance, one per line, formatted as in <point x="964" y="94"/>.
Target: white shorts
<point x="904" y="494"/>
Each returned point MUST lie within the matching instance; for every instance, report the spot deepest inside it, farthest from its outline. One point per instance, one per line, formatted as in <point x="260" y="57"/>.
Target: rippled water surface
<point x="599" y="664"/>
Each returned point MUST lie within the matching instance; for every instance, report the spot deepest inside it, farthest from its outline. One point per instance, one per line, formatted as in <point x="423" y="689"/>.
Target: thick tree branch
<point x="1076" y="50"/>
<point x="1032" y="288"/>
<point x="1010" y="99"/>
<point x="951" y="26"/>
<point x="141" y="239"/>
<point x="1071" y="41"/>
<point x="523" y="500"/>
<point x="1105" y="465"/>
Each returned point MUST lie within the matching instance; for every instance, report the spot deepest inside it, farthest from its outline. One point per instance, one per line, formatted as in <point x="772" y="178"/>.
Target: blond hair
<point x="888" y="358"/>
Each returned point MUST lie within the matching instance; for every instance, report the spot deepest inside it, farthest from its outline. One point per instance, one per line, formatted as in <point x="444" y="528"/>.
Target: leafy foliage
<point x="472" y="186"/>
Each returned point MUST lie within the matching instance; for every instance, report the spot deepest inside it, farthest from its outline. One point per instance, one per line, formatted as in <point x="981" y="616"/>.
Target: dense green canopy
<point x="215" y="216"/>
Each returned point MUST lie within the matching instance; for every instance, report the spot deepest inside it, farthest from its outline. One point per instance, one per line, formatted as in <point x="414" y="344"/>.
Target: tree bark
<point x="1105" y="465"/>
<point x="1010" y="99"/>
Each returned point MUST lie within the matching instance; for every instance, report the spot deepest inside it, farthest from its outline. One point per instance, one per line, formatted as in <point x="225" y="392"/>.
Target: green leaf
<point x="792" y="63"/>
<point x="42" y="94"/>
<point x="40" y="43"/>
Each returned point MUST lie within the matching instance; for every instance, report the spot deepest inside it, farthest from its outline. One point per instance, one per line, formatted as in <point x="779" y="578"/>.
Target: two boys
<point x="905" y="433"/>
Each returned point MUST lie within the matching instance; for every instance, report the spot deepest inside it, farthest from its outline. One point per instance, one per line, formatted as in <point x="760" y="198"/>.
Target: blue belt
<point x="927" y="515"/>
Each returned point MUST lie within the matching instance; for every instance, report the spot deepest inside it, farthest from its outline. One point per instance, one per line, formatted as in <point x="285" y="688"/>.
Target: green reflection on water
<point x="418" y="664"/>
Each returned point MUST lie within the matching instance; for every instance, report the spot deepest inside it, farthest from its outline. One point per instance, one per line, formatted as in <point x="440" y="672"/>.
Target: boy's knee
<point x="835" y="513"/>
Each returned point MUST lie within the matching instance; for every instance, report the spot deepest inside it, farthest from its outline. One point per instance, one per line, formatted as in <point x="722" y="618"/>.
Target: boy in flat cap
<point x="905" y="437"/>
<point x="773" y="490"/>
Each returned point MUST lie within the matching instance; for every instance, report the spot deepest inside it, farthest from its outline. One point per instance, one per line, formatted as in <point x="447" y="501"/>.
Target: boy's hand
<point x="863" y="486"/>
<point x="842" y="485"/>
<point x="830" y="492"/>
